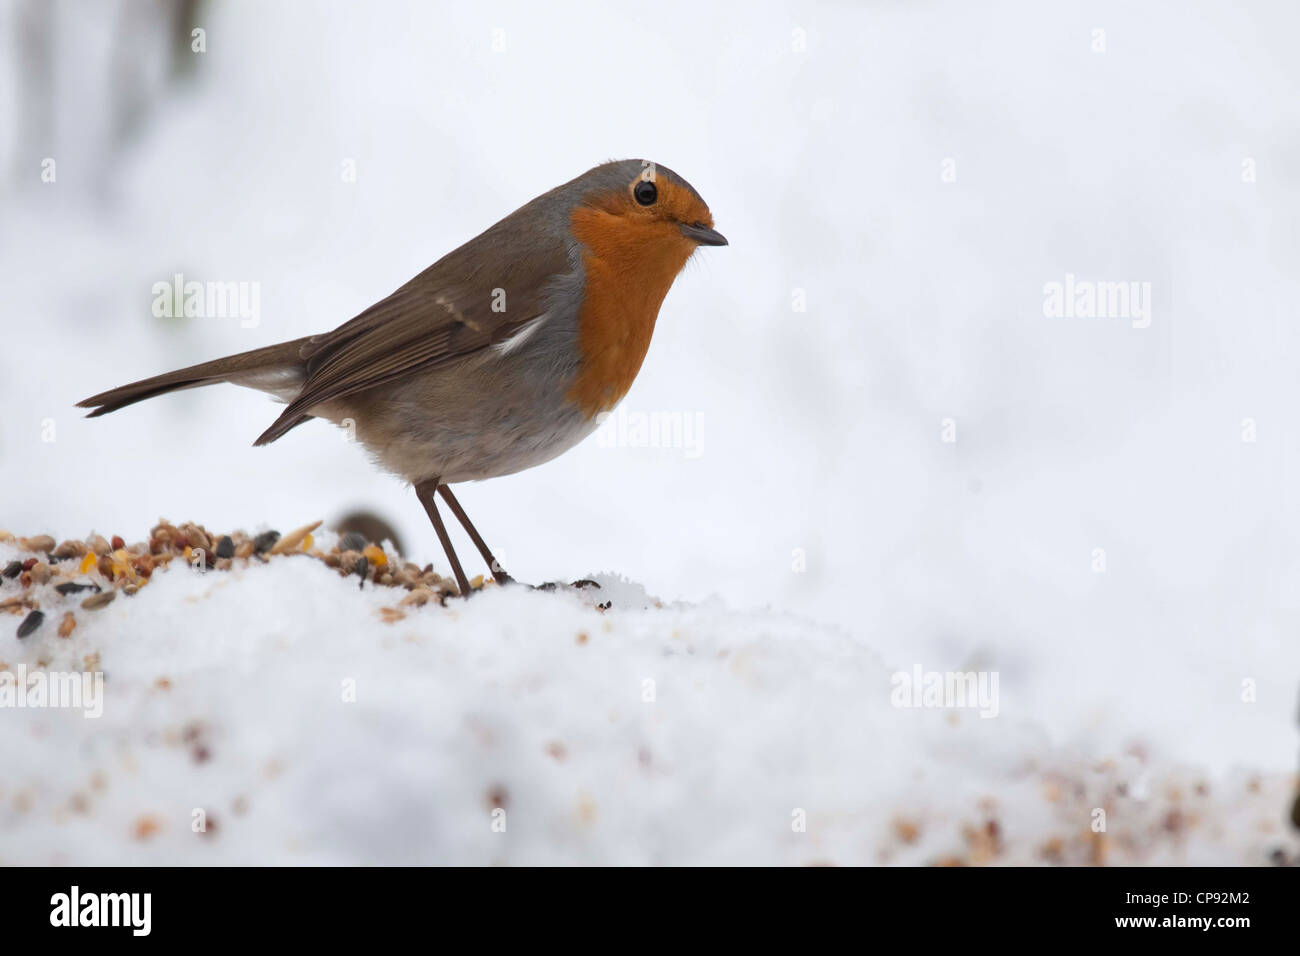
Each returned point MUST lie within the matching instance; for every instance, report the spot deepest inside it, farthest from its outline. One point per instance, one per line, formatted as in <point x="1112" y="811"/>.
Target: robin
<point x="498" y="357"/>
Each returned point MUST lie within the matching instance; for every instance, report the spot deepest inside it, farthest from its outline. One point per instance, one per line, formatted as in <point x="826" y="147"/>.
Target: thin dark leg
<point x="498" y="572"/>
<point x="425" y="491"/>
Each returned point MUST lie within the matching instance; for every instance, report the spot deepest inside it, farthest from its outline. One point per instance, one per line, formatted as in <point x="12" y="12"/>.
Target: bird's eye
<point x="645" y="192"/>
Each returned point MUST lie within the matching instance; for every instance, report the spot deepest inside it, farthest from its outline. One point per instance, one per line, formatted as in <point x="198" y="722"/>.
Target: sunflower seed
<point x="31" y="622"/>
<point x="265" y="541"/>
<point x="353" y="541"/>
<point x="72" y="587"/>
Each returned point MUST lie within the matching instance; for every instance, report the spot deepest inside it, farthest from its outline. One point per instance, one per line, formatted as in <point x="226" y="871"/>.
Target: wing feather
<point x="444" y="314"/>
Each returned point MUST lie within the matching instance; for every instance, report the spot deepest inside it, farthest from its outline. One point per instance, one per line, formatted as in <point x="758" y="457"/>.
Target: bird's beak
<point x="702" y="234"/>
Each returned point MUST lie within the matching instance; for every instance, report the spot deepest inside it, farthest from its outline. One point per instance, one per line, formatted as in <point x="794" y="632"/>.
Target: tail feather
<point x="261" y="368"/>
<point x="111" y="401"/>
<point x="285" y="423"/>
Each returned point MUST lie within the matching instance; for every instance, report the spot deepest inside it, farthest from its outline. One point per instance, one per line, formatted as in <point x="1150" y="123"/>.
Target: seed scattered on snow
<point x="129" y="567"/>
<point x="30" y="623"/>
<point x="353" y="541"/>
<point x="294" y="539"/>
<point x="419" y="596"/>
<point x="72" y="587"/>
<point x="16" y="604"/>
<point x="265" y="541"/>
<point x="102" y="599"/>
<point x="69" y="549"/>
<point x="195" y="536"/>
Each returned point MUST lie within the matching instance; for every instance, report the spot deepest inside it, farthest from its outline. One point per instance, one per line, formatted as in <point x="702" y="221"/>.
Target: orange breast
<point x="629" y="267"/>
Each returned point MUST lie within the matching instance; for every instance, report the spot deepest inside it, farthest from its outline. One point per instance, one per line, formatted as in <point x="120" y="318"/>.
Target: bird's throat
<point x="629" y="268"/>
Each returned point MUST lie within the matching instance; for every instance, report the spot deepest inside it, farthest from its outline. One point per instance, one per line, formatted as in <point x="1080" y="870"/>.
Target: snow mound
<point x="282" y="714"/>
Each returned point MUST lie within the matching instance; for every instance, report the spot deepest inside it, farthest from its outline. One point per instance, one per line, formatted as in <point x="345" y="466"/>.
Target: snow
<point x="527" y="727"/>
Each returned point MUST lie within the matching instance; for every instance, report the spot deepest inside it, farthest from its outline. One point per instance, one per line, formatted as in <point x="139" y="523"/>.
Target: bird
<point x="500" y="356"/>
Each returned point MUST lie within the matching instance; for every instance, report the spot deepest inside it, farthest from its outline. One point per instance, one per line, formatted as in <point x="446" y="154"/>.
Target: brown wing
<point x="443" y="314"/>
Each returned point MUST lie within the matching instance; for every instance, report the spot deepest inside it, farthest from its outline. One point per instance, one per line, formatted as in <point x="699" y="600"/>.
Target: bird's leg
<point x="425" y="491"/>
<point x="498" y="572"/>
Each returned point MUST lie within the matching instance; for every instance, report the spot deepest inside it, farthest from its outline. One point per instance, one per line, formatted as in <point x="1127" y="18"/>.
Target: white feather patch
<point x="506" y="346"/>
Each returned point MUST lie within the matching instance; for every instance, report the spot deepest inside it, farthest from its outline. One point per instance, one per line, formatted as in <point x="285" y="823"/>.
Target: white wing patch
<point x="506" y="346"/>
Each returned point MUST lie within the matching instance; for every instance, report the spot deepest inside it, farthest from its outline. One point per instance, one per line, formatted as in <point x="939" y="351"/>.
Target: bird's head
<point x="638" y="214"/>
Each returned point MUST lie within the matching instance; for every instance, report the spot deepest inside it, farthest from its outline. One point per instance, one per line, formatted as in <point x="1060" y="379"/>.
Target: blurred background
<point x="886" y="431"/>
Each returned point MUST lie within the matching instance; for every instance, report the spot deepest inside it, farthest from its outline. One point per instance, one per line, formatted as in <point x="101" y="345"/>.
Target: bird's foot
<point x="582" y="584"/>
